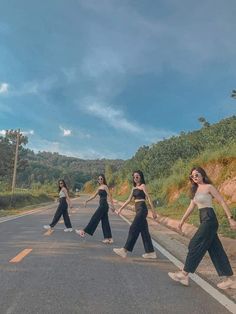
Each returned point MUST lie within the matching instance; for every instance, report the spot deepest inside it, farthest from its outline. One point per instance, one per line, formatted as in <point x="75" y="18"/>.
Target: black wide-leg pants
<point x="139" y="225"/>
<point x="62" y="209"/>
<point x="206" y="239"/>
<point x="101" y="214"/>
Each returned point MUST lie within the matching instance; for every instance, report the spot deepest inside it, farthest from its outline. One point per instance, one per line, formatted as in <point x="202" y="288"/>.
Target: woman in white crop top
<point x="206" y="238"/>
<point x="62" y="208"/>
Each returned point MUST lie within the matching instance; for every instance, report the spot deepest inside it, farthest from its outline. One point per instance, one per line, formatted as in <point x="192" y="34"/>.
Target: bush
<point x="21" y="199"/>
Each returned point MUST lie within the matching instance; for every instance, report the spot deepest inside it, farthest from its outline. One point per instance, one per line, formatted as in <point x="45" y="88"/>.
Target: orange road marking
<point x="20" y="256"/>
<point x="48" y="233"/>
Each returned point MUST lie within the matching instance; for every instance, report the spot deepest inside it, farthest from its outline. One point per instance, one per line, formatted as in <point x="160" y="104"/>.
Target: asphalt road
<point x="67" y="274"/>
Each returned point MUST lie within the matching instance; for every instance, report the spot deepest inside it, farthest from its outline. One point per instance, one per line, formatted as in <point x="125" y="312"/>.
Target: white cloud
<point x="66" y="132"/>
<point x="81" y="134"/>
<point x="27" y="133"/>
<point x="4" y="87"/>
<point x="113" y="117"/>
<point x="34" y="87"/>
<point x="2" y="132"/>
<point x="117" y="120"/>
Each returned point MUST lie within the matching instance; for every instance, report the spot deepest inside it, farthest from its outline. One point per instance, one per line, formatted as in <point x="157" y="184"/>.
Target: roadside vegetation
<point x="167" y="164"/>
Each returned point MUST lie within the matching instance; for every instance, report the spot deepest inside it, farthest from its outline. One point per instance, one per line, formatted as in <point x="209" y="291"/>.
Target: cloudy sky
<point x="99" y="78"/>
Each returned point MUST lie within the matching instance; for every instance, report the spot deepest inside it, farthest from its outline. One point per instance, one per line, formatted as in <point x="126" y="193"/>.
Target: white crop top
<point x="203" y="199"/>
<point x="62" y="194"/>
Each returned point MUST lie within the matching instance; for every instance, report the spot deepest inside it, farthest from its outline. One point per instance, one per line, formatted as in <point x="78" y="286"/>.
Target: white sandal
<point x="80" y="233"/>
<point x="108" y="241"/>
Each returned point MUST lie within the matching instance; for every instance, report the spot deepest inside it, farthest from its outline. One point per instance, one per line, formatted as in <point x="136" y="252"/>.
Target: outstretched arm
<point x="126" y="203"/>
<point x="110" y="198"/>
<point x="154" y="215"/>
<point x="67" y="197"/>
<point x="91" y="198"/>
<point x="187" y="214"/>
<point x="214" y="192"/>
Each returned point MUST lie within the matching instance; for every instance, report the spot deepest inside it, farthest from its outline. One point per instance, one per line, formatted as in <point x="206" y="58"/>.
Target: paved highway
<point x="62" y="273"/>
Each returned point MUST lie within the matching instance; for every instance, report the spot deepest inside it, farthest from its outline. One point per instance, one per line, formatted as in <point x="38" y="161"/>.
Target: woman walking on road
<point x="62" y="209"/>
<point x="139" y="224"/>
<point x="206" y="238"/>
<point x="101" y="214"/>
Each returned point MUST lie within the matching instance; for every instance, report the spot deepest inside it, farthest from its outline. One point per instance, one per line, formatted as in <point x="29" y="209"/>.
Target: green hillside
<point x="166" y="166"/>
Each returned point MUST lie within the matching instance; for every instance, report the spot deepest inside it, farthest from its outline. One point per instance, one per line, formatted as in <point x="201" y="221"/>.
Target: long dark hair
<point x="64" y="185"/>
<point x="142" y="180"/>
<point x="195" y="185"/>
<point x="104" y="179"/>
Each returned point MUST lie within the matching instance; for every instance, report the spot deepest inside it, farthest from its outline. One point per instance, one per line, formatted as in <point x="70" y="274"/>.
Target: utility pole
<point x="18" y="134"/>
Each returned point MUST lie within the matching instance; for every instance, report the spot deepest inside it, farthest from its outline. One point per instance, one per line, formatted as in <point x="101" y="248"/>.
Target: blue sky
<point x="99" y="78"/>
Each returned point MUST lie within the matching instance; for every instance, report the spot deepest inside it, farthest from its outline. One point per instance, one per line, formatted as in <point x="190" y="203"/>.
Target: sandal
<point x="80" y="233"/>
<point x="108" y="241"/>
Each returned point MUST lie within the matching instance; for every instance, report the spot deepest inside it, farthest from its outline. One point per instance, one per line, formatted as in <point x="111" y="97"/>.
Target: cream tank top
<point x="203" y="200"/>
<point x="62" y="194"/>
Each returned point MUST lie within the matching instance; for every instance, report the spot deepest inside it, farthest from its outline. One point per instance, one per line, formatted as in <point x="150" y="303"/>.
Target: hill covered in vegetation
<point x="44" y="168"/>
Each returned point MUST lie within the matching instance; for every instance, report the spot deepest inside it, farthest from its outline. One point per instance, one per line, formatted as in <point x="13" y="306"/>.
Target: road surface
<point x="63" y="273"/>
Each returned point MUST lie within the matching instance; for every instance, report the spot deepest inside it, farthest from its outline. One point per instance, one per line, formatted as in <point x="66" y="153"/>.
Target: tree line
<point x="156" y="160"/>
<point x="44" y="168"/>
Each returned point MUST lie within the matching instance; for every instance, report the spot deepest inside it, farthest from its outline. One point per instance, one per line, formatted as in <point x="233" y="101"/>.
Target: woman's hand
<point x="119" y="211"/>
<point x="154" y="215"/>
<point x="112" y="208"/>
<point x="232" y="224"/>
<point x="85" y="203"/>
<point x="180" y="225"/>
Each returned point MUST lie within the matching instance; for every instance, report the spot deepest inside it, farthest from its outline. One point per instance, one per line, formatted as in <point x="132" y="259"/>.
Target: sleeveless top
<point x="138" y="194"/>
<point x="62" y="194"/>
<point x="203" y="199"/>
<point x="102" y="193"/>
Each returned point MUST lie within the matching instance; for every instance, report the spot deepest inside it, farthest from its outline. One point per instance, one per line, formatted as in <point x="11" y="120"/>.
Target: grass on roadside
<point x="22" y="199"/>
<point x="17" y="211"/>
